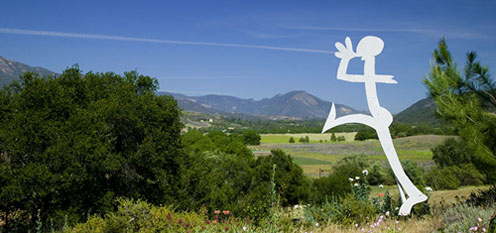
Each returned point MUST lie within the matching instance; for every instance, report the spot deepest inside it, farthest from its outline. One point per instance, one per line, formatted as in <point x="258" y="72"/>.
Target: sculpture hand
<point x="345" y="53"/>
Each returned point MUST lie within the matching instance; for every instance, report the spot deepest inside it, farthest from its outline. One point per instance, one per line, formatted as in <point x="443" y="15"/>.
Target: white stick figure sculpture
<point x="380" y="119"/>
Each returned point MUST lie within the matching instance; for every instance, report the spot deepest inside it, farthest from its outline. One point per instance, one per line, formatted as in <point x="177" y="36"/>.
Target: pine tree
<point x="466" y="102"/>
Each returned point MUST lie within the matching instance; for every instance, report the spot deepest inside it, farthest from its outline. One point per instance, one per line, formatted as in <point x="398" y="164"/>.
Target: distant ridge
<point x="11" y="70"/>
<point x="423" y="111"/>
<point x="298" y="104"/>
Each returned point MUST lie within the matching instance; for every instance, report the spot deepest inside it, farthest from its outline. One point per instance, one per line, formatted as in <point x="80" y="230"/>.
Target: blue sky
<point x="248" y="49"/>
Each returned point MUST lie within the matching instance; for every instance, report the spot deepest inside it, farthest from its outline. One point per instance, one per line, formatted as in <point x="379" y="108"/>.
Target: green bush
<point x="414" y="172"/>
<point x="337" y="183"/>
<point x="452" y="152"/>
<point x="442" y="178"/>
<point x="251" y="137"/>
<point x="291" y="140"/>
<point x="377" y="174"/>
<point x="367" y="133"/>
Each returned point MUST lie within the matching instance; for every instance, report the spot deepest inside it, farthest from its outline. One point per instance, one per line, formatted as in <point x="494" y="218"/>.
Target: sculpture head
<point x="369" y="46"/>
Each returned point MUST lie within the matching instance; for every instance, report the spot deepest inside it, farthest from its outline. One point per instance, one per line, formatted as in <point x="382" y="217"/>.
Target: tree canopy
<point x="466" y="100"/>
<point x="71" y="144"/>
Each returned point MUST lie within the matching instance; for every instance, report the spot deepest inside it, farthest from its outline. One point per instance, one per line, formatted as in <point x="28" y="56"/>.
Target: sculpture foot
<point x="407" y="205"/>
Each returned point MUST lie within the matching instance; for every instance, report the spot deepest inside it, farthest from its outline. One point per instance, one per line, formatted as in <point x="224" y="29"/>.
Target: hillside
<point x="423" y="111"/>
<point x="11" y="70"/>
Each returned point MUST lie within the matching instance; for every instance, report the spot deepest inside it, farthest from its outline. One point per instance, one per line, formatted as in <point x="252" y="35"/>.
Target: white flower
<point x="381" y="186"/>
<point x="479" y="219"/>
<point x="428" y="189"/>
<point x="317" y="224"/>
<point x="365" y="172"/>
<point x="356" y="225"/>
<point x="357" y="178"/>
<point x="350" y="179"/>
<point x="356" y="184"/>
<point x="387" y="213"/>
<point x="244" y="228"/>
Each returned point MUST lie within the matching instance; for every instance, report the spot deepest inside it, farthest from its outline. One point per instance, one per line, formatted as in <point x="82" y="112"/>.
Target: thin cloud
<point x="147" y="40"/>
<point x="429" y="32"/>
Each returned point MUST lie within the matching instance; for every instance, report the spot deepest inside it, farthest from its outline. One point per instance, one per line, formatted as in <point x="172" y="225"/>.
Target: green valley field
<point x="321" y="155"/>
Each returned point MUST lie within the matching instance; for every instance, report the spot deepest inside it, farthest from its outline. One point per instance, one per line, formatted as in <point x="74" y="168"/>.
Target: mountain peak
<point x="11" y="70"/>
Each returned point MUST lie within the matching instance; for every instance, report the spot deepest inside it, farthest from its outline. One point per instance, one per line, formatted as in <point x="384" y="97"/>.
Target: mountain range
<point x="294" y="104"/>
<point x="291" y="105"/>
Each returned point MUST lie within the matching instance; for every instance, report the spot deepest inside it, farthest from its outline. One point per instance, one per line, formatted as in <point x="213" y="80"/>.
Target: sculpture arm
<point x="342" y="75"/>
<point x="385" y="79"/>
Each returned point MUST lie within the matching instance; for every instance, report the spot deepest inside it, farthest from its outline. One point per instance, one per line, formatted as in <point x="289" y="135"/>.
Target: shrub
<point x="251" y="137"/>
<point x="377" y="175"/>
<point x="341" y="139"/>
<point x="414" y="172"/>
<point x="291" y="140"/>
<point x="442" y="178"/>
<point x="333" y="137"/>
<point x="452" y="152"/>
<point x="365" y="134"/>
<point x="460" y="218"/>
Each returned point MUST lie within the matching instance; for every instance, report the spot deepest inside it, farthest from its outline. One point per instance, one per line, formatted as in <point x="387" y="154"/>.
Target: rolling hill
<point x="423" y="111"/>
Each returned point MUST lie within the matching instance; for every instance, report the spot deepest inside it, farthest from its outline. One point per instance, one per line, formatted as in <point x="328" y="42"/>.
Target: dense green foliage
<point x="221" y="173"/>
<point x="251" y="137"/>
<point x="70" y="145"/>
<point x="465" y="102"/>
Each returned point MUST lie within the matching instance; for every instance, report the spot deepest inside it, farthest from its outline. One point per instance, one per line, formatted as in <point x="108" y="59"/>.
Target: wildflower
<point x="474" y="228"/>
<point x="356" y="225"/>
<point x="208" y="221"/>
<point x="356" y="184"/>
<point x="214" y="222"/>
<point x="399" y="228"/>
<point x="217" y="212"/>
<point x="357" y="177"/>
<point x="365" y="172"/>
<point x="244" y="228"/>
<point x="179" y="221"/>
<point x="479" y="219"/>
<point x="317" y="224"/>
<point x="226" y="228"/>
<point x="483" y="229"/>
<point x="381" y="186"/>
<point x="187" y="225"/>
<point x="387" y="213"/>
<point x="381" y="194"/>
<point x="169" y="216"/>
<point x="226" y="212"/>
<point x="397" y="222"/>
<point x="428" y="189"/>
<point x="350" y="179"/>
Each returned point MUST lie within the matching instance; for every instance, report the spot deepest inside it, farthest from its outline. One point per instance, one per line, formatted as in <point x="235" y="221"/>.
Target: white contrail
<point x="137" y="39"/>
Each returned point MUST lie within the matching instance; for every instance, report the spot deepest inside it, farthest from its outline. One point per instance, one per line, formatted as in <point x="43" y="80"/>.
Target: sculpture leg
<point x="414" y="195"/>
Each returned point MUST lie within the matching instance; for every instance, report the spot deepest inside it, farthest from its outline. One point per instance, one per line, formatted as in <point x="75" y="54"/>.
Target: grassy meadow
<point x="322" y="155"/>
<point x="314" y="137"/>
